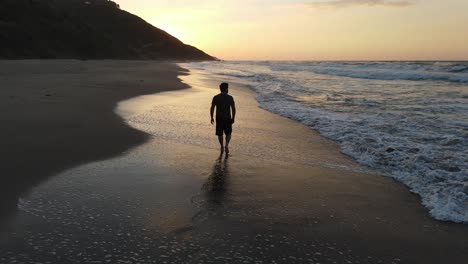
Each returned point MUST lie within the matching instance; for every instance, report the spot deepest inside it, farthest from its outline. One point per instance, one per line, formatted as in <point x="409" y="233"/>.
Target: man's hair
<point x="224" y="86"/>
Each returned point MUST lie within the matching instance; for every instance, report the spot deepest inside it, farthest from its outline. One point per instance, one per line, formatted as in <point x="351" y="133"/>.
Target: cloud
<point x="349" y="3"/>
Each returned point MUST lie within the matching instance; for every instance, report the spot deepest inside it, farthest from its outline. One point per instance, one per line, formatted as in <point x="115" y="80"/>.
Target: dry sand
<point x="285" y="195"/>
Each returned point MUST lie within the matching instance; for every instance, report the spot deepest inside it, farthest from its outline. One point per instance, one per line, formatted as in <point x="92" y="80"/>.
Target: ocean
<point x="406" y="120"/>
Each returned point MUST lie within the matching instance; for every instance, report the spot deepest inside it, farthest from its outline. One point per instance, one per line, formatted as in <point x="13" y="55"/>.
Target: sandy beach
<point x="92" y="176"/>
<point x="58" y="114"/>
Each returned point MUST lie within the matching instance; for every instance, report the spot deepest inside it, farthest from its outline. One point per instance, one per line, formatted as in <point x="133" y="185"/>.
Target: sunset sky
<point x="314" y="29"/>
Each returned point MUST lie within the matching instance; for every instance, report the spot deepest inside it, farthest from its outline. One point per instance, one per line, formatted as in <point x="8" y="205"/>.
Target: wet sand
<point x="285" y="195"/>
<point x="59" y="114"/>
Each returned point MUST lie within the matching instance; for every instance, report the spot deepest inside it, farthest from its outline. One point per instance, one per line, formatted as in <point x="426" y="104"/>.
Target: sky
<point x="314" y="29"/>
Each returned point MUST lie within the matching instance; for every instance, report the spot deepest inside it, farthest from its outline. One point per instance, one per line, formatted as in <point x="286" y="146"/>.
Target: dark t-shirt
<point x="223" y="104"/>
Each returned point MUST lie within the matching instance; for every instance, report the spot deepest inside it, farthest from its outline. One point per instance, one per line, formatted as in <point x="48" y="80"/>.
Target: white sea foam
<point x="405" y="119"/>
<point x="414" y="71"/>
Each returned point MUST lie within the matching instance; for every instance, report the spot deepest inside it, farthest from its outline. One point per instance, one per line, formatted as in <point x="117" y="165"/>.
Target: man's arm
<point x="212" y="111"/>
<point x="233" y="106"/>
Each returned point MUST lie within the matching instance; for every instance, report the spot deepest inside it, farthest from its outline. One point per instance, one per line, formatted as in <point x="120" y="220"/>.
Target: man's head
<point x="224" y="87"/>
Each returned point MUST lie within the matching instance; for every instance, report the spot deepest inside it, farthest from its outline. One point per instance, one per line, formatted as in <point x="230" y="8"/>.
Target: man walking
<point x="223" y="103"/>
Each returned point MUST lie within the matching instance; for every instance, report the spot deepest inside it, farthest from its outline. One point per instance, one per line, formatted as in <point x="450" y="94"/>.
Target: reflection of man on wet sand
<point x="216" y="184"/>
<point x="223" y="103"/>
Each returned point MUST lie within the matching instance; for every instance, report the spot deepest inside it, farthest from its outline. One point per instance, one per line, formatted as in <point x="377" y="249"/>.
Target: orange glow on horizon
<point x="292" y="30"/>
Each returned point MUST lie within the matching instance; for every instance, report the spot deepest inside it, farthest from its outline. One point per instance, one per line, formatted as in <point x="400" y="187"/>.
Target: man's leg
<point x="220" y="139"/>
<point x="228" y="131"/>
<point x="219" y="133"/>
<point x="228" y="139"/>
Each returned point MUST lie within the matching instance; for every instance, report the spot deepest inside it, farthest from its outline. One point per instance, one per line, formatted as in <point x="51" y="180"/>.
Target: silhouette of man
<point x="223" y="103"/>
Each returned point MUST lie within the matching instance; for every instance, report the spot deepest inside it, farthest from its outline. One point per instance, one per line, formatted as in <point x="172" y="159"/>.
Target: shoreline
<point x="363" y="167"/>
<point x="175" y="199"/>
<point x="357" y="206"/>
<point x="410" y="130"/>
<point x="416" y="220"/>
<point x="58" y="114"/>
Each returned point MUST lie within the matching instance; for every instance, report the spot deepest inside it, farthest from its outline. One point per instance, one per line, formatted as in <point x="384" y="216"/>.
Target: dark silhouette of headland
<point x="50" y="126"/>
<point x="84" y="29"/>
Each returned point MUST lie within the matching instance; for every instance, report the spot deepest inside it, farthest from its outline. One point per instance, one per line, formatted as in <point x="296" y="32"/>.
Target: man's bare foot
<point x="227" y="150"/>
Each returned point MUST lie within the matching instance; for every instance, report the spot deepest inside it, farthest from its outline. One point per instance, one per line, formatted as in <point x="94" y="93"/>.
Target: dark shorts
<point x="223" y="125"/>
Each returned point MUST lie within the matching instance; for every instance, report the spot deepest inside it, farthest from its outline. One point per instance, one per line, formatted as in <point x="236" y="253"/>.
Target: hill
<point x="83" y="29"/>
